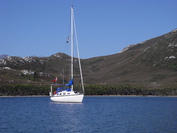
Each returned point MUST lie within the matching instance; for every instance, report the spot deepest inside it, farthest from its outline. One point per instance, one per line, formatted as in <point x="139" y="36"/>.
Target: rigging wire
<point x="77" y="46"/>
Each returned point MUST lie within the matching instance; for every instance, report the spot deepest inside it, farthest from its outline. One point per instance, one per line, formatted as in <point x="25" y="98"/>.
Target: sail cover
<point x="59" y="89"/>
<point x="70" y="83"/>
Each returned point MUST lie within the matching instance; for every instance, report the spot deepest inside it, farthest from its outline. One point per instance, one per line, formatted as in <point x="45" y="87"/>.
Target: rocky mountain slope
<point x="152" y="63"/>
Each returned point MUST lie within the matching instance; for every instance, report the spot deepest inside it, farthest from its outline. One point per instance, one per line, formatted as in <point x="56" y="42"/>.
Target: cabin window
<point x="68" y="93"/>
<point x="64" y="93"/>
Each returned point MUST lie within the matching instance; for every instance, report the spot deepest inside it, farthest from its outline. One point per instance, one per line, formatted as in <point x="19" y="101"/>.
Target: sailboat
<point x="67" y="94"/>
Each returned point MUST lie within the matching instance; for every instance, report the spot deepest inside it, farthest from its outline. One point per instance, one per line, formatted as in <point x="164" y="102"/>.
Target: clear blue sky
<point x="104" y="27"/>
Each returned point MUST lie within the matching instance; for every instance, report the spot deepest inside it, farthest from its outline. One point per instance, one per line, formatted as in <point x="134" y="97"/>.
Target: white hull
<point x="68" y="98"/>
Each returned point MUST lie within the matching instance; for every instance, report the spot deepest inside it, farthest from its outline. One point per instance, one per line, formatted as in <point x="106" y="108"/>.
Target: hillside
<point x="152" y="63"/>
<point x="32" y="70"/>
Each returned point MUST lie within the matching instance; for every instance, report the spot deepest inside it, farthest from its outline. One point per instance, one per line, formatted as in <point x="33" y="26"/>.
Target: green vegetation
<point x="23" y="90"/>
<point x="125" y="89"/>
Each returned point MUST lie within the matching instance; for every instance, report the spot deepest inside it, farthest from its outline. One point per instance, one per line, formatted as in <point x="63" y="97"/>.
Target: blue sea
<point x="102" y="114"/>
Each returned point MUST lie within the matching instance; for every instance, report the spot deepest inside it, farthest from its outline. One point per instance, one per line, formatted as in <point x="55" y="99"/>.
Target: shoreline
<point x="129" y="96"/>
<point x="98" y="96"/>
<point x="28" y="96"/>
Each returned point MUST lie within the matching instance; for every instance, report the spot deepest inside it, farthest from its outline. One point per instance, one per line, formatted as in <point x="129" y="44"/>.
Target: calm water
<point x="94" y="115"/>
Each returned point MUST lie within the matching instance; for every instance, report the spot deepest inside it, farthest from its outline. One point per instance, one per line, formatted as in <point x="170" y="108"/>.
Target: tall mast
<point x="72" y="44"/>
